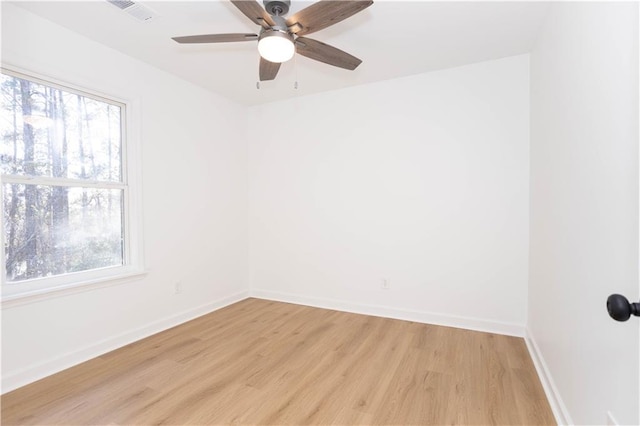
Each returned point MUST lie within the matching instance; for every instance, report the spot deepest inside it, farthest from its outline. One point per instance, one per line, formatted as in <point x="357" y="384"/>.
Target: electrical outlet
<point x="177" y="289"/>
<point x="386" y="285"/>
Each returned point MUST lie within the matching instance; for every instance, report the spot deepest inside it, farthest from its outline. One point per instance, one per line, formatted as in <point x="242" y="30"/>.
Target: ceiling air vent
<point x="138" y="11"/>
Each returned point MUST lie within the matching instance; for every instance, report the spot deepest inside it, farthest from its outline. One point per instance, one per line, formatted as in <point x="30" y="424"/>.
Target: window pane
<point x="50" y="132"/>
<point x="53" y="230"/>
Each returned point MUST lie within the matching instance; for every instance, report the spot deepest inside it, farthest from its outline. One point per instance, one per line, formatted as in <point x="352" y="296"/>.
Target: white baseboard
<point x="497" y="327"/>
<point x="36" y="372"/>
<point x="555" y="400"/>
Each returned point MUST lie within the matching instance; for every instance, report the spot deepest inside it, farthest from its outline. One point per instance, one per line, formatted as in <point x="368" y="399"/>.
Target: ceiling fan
<point x="280" y="38"/>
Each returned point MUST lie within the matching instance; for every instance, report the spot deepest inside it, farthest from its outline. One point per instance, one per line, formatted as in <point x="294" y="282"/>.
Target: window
<point x="65" y="191"/>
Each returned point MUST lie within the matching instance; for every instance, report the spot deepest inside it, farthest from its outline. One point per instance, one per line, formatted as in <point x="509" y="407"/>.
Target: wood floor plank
<point x="262" y="362"/>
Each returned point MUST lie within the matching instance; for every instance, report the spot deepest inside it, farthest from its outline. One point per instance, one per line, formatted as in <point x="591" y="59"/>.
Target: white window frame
<point x="27" y="291"/>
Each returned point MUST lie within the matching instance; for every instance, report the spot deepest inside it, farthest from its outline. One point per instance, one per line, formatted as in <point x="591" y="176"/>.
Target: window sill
<point x="19" y="299"/>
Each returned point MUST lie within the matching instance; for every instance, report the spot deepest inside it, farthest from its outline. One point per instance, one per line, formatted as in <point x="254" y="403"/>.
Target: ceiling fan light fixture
<point x="276" y="46"/>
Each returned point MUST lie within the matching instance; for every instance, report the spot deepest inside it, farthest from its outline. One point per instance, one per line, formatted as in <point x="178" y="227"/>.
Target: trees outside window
<point x="64" y="186"/>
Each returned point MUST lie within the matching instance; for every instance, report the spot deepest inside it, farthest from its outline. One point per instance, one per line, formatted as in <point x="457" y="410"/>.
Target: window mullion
<point x="55" y="181"/>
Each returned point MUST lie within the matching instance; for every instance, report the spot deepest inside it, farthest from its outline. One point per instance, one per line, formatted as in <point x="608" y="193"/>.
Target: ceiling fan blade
<point x="322" y="52"/>
<point x="254" y="11"/>
<point x="323" y="14"/>
<point x="215" y="38"/>
<point x="268" y="70"/>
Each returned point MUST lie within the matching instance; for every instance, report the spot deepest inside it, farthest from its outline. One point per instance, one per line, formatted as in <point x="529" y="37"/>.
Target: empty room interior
<point x="333" y="212"/>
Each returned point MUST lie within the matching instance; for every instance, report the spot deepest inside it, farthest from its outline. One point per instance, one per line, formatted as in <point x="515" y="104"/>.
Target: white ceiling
<point x="393" y="38"/>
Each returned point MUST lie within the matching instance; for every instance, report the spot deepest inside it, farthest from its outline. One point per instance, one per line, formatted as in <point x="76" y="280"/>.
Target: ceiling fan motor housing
<point x="277" y="7"/>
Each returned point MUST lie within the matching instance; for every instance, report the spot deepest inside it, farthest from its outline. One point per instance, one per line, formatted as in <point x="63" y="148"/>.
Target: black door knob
<point x="620" y="309"/>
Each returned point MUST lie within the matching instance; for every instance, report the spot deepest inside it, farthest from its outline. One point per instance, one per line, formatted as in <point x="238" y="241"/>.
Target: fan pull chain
<point x="258" y="82"/>
<point x="295" y="67"/>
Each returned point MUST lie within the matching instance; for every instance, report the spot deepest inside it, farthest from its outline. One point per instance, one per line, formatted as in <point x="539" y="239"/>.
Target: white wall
<point x="421" y="180"/>
<point x="584" y="207"/>
<point x="194" y="204"/>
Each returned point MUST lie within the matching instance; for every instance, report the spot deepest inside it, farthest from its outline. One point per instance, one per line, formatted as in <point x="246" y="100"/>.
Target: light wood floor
<point x="262" y="362"/>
